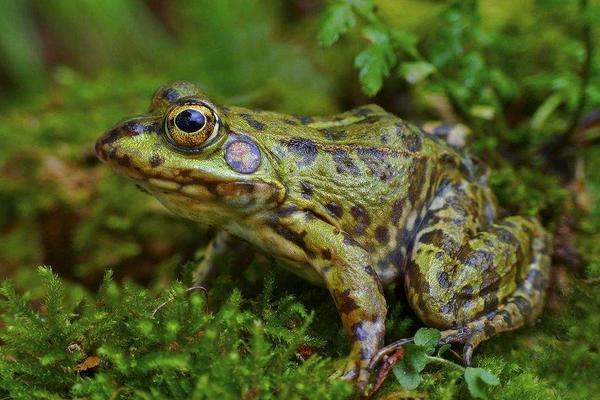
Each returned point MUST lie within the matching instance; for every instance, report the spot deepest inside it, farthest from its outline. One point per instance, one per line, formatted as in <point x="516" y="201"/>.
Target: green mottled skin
<point x="353" y="202"/>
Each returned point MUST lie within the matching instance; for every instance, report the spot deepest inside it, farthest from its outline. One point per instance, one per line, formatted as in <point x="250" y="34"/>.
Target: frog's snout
<point x="108" y="144"/>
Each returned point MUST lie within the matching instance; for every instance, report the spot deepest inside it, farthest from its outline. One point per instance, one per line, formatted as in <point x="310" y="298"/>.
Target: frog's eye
<point x="192" y="126"/>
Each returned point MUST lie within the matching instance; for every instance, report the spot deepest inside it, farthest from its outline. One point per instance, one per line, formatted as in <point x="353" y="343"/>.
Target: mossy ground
<point x="260" y="332"/>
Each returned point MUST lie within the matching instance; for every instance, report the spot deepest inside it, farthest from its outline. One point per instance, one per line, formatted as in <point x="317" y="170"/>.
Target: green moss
<point x="126" y="342"/>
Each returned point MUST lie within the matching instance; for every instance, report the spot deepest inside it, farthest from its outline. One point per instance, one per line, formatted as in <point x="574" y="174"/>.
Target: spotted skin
<point x="352" y="202"/>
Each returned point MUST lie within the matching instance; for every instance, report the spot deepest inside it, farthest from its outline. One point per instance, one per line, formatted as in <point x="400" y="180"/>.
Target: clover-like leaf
<point x="409" y="379"/>
<point x="428" y="338"/>
<point x="478" y="379"/>
<point x="409" y="369"/>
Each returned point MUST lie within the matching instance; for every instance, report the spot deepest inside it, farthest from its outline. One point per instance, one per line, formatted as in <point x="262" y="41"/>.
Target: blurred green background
<point x="522" y="74"/>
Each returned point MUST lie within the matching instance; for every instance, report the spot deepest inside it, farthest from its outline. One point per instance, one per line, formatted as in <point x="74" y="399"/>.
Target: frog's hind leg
<point x="473" y="277"/>
<point x="520" y="308"/>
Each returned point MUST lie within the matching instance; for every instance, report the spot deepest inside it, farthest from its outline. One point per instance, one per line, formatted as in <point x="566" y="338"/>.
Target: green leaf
<point x="443" y="349"/>
<point x="406" y="41"/>
<point x="408" y="370"/>
<point x="483" y="111"/>
<point x="416" y="71"/>
<point x="374" y="62"/>
<point x="478" y="379"/>
<point x="409" y="379"/>
<point x="428" y="338"/>
<point x="545" y="110"/>
<point x="337" y="19"/>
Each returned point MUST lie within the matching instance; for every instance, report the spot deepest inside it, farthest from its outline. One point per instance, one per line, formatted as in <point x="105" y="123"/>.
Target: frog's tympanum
<point x="353" y="202"/>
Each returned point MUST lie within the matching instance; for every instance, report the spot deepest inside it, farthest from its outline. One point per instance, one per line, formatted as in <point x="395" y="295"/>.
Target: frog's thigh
<point x="347" y="272"/>
<point x="216" y="251"/>
<point x="461" y="270"/>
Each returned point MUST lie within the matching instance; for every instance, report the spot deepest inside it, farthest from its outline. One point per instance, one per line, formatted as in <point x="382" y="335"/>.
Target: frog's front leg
<point x="220" y="247"/>
<point x="346" y="269"/>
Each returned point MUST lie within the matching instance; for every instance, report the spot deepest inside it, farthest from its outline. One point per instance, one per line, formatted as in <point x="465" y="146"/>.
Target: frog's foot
<point x="355" y="370"/>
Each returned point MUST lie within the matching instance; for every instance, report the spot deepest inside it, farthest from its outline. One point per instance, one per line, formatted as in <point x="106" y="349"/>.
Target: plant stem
<point x="446" y="363"/>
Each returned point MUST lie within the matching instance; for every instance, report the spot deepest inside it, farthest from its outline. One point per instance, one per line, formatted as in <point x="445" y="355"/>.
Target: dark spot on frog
<point x="333" y="134"/>
<point x="290" y="122"/>
<point x="490" y="301"/>
<point x="397" y="210"/>
<point x="506" y="236"/>
<point x="124" y="161"/>
<point x="252" y="122"/>
<point x="155" y="160"/>
<point x="335" y="209"/>
<point x="417" y="172"/>
<point x="482" y="260"/>
<point x="344" y="163"/>
<point x="110" y="137"/>
<point x="286" y="211"/>
<point x="537" y="280"/>
<point x="522" y="304"/>
<point x="466" y="291"/>
<point x="362" y="218"/>
<point x="447" y="308"/>
<point x="376" y="161"/>
<point x="383" y="138"/>
<point x="224" y="110"/>
<point x="443" y="280"/>
<point x="306" y="189"/>
<point x="439" y="239"/>
<point x="292" y="236"/>
<point x="326" y="254"/>
<point x="382" y="234"/>
<point x="305" y="148"/>
<point x="344" y="301"/>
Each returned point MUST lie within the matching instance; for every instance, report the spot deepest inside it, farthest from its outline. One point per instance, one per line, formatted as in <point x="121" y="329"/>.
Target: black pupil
<point x="190" y="121"/>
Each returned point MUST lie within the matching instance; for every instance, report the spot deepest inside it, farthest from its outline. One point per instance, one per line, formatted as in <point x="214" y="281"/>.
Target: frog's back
<point x="369" y="173"/>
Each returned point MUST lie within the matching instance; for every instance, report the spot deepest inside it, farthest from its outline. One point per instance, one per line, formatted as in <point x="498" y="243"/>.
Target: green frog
<point x="352" y="202"/>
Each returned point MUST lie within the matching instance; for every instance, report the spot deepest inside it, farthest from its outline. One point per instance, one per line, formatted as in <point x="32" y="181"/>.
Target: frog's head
<point x="193" y="157"/>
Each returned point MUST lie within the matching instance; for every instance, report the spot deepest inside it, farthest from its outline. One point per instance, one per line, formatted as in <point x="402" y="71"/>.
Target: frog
<point x="354" y="202"/>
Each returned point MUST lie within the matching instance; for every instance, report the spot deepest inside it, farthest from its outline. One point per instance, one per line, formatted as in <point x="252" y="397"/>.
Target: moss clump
<point x="128" y="343"/>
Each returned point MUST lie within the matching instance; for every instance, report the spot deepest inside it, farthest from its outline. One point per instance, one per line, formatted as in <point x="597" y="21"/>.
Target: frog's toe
<point x="353" y="371"/>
